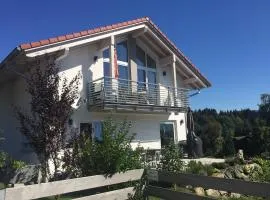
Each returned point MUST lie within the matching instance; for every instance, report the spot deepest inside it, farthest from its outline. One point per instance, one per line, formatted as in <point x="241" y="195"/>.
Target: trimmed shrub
<point x="265" y="165"/>
<point x="171" y="156"/>
<point x="194" y="167"/>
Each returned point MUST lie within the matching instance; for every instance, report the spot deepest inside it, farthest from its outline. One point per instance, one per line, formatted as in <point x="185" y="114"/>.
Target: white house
<point x="149" y="85"/>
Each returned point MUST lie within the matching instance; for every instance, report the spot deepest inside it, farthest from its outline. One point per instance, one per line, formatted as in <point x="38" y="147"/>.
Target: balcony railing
<point x="109" y="93"/>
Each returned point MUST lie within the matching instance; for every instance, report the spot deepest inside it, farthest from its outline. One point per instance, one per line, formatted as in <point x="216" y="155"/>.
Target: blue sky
<point x="229" y="41"/>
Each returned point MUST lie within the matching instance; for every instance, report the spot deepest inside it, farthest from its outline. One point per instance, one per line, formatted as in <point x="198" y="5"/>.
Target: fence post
<point x="2" y="194"/>
<point x="145" y="195"/>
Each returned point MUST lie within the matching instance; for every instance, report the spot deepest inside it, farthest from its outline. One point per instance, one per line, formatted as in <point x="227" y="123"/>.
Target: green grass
<point x="154" y="198"/>
<point x="245" y="198"/>
<point x="2" y="186"/>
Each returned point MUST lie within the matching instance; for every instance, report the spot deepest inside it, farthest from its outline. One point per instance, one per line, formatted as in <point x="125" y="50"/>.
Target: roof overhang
<point x="139" y="26"/>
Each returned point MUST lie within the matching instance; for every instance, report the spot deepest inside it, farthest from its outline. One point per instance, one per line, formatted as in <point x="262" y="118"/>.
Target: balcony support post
<point x="174" y="80"/>
<point x="132" y="63"/>
<point x="112" y="46"/>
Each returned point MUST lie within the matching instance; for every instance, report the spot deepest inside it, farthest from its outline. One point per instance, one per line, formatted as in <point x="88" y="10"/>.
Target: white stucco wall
<point x="13" y="94"/>
<point x="146" y="126"/>
<point x="81" y="59"/>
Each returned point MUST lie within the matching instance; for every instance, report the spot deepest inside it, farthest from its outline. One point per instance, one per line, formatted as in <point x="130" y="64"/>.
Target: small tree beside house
<point x="51" y="99"/>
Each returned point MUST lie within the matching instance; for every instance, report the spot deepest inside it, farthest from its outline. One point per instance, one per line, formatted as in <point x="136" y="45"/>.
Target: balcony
<point x="124" y="95"/>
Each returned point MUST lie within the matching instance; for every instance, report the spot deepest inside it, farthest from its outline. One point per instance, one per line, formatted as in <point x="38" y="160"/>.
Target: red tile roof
<point x="27" y="46"/>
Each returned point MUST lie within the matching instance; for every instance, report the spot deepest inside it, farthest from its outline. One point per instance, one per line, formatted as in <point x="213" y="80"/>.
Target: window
<point x="146" y="75"/>
<point x="106" y="54"/>
<point x="122" y="61"/>
<point x="146" y="71"/>
<point x="166" y="133"/>
<point x="150" y="62"/>
<point x="106" y="68"/>
<point x="140" y="57"/>
<point x="97" y="130"/>
<point x="86" y="129"/>
<point x="92" y="129"/>
<point x="122" y="51"/>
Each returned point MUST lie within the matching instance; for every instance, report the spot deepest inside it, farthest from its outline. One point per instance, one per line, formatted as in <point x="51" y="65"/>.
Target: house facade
<point x="129" y="70"/>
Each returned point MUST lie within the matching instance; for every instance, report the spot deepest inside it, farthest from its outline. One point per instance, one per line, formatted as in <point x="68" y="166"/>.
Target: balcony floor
<point x="128" y="107"/>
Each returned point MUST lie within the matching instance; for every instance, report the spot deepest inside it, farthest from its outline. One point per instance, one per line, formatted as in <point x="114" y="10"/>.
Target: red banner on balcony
<point x="116" y="72"/>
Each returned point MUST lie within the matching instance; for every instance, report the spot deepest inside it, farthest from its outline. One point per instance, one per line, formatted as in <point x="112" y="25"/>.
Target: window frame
<point x="119" y="62"/>
<point x="174" y="123"/>
<point x="146" y="68"/>
<point x="93" y="133"/>
<point x="89" y="123"/>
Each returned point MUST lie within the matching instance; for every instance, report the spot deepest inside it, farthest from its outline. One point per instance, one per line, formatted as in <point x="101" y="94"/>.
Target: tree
<point x="3" y="155"/>
<point x="108" y="155"/>
<point x="1" y="138"/>
<point x="228" y="130"/>
<point x="212" y="138"/>
<point x="171" y="158"/>
<point x="228" y="146"/>
<point x="264" y="107"/>
<point x="51" y="99"/>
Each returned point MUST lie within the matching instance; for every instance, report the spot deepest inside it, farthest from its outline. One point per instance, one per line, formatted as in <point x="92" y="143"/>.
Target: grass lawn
<point x="2" y="186"/>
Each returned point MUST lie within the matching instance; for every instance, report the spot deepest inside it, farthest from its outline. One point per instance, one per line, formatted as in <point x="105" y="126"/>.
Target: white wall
<point x="81" y="59"/>
<point x="13" y="94"/>
<point x="146" y="127"/>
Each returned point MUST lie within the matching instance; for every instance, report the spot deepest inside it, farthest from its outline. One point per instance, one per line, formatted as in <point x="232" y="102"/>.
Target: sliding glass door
<point x="166" y="133"/>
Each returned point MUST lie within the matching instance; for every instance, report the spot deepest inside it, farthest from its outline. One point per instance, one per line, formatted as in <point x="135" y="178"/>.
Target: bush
<point x="7" y="162"/>
<point x="17" y="164"/>
<point x="234" y="161"/>
<point x="265" y="165"/>
<point x="220" y="165"/>
<point x="171" y="156"/>
<point x="3" y="158"/>
<point x="111" y="154"/>
<point x="194" y="167"/>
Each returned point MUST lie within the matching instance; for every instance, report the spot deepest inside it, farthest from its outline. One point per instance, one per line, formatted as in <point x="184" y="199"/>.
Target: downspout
<point x="195" y="93"/>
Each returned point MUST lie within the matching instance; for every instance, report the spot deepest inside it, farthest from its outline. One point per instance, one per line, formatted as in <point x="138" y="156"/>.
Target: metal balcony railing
<point x="107" y="90"/>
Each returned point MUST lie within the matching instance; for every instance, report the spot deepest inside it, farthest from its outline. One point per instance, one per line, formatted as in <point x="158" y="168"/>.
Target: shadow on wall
<point x="14" y="94"/>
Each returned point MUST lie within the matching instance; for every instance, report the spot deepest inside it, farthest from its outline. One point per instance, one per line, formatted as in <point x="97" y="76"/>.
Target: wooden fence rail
<point x="230" y="185"/>
<point x="73" y="185"/>
<point x="91" y="182"/>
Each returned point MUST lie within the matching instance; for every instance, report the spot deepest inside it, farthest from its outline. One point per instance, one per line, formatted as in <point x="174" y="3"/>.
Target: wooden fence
<point x="230" y="185"/>
<point x="154" y="178"/>
<point x="74" y="185"/>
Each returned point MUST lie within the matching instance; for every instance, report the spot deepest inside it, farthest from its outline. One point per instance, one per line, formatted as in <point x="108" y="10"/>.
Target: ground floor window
<point x="86" y="129"/>
<point x="97" y="129"/>
<point x="93" y="129"/>
<point x="166" y="133"/>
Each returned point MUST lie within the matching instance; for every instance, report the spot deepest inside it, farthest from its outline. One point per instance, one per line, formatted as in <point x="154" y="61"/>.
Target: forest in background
<point x="224" y="132"/>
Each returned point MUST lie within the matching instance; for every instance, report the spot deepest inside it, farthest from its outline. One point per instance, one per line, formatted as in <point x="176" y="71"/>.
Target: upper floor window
<point x="146" y="69"/>
<point x="106" y="54"/>
<point x="140" y="57"/>
<point x="122" y="51"/>
<point x="122" y="60"/>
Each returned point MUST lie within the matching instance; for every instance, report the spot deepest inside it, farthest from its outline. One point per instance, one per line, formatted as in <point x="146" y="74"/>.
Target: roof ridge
<point x="101" y="29"/>
<point x="69" y="36"/>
